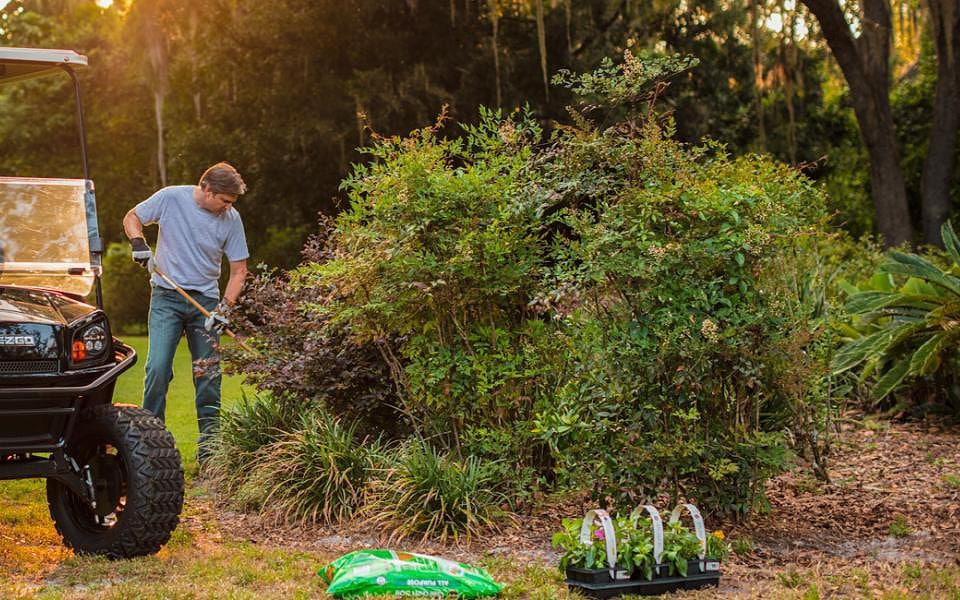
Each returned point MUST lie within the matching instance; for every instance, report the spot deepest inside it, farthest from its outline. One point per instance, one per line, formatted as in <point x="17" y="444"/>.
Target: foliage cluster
<point x="592" y="309"/>
<point x="304" y="356"/>
<point x="126" y="290"/>
<point x="904" y="326"/>
<point x="677" y="340"/>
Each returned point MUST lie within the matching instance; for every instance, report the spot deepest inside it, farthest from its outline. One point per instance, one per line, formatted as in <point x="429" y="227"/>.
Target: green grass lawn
<point x="181" y="414"/>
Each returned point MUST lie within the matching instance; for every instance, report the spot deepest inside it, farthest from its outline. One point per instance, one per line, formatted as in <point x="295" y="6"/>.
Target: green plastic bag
<point x="373" y="572"/>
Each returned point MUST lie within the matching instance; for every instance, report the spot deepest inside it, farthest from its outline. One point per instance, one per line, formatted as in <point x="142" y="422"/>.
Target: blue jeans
<point x="170" y="316"/>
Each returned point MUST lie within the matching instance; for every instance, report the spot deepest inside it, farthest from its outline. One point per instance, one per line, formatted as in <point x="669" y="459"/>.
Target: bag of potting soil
<point x="376" y="572"/>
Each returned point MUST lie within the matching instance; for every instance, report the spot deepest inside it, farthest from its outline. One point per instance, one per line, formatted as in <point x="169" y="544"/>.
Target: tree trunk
<point x="758" y="73"/>
<point x="865" y="62"/>
<point x="941" y="154"/>
<point x="788" y="61"/>
<point x="194" y="23"/>
<point x="542" y="44"/>
<point x="158" y="101"/>
<point x="495" y="20"/>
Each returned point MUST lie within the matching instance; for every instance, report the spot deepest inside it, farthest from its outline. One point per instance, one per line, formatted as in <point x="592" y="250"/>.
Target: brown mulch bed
<point x="896" y="480"/>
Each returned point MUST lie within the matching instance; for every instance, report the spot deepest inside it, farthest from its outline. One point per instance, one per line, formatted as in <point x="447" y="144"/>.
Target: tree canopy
<point x="289" y="90"/>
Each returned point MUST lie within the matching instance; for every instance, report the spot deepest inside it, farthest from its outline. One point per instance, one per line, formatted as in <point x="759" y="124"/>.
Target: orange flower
<point x="719" y="535"/>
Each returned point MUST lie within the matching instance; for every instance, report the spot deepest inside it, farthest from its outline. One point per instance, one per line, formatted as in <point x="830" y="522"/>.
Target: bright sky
<point x="100" y="3"/>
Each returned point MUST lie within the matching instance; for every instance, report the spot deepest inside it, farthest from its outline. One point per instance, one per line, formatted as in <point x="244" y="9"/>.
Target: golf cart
<point x="114" y="476"/>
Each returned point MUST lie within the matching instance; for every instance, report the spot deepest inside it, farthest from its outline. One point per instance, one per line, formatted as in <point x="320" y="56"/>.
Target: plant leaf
<point x="891" y="379"/>
<point x="951" y="242"/>
<point x="870" y="301"/>
<point x="872" y="346"/>
<point x="912" y="265"/>
<point x="882" y="282"/>
<point x="926" y="359"/>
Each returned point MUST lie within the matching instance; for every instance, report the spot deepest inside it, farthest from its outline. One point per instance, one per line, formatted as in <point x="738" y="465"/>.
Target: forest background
<point x="290" y="90"/>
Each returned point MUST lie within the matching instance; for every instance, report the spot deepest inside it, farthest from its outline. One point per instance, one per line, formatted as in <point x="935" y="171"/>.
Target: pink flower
<point x="599" y="534"/>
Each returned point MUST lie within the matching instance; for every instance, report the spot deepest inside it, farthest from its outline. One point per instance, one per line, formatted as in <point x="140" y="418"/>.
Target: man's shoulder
<point x="232" y="215"/>
<point x="178" y="191"/>
<point x="171" y="193"/>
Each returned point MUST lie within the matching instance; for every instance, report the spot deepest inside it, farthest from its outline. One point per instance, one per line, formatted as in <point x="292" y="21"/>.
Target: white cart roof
<point x="21" y="63"/>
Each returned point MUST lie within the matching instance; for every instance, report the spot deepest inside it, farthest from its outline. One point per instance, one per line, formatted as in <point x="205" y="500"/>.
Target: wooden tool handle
<point x="202" y="310"/>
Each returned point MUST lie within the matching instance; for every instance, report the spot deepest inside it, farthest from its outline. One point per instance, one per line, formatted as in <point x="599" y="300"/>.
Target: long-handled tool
<point x="200" y="307"/>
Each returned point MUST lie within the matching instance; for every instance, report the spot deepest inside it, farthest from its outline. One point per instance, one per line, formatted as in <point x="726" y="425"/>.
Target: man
<point x="198" y="227"/>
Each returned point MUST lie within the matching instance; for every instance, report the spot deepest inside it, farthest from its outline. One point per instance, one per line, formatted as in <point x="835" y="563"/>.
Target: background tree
<point x="865" y="62"/>
<point x="938" y="168"/>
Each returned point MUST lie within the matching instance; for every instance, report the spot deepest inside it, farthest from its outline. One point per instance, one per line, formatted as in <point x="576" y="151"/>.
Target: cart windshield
<point x="44" y="237"/>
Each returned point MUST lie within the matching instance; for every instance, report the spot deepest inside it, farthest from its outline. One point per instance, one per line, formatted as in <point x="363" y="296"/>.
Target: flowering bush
<point x="674" y="347"/>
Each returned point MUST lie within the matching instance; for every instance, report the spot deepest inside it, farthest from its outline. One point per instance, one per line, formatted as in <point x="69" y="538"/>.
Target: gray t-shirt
<point x="192" y="241"/>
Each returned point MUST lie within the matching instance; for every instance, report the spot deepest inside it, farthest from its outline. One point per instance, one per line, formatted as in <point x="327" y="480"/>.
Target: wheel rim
<point x="103" y="470"/>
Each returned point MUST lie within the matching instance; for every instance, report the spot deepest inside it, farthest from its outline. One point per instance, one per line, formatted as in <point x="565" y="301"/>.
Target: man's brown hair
<point x="222" y="178"/>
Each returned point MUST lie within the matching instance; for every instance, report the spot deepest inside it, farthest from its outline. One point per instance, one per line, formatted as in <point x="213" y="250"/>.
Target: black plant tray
<point x="579" y="575"/>
<point x="597" y="583"/>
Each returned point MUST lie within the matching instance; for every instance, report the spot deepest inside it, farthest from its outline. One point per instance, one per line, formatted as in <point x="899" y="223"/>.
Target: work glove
<point x="141" y="252"/>
<point x="216" y="321"/>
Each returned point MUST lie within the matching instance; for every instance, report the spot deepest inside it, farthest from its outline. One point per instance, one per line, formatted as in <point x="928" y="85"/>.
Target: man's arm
<point x="141" y="252"/>
<point x="238" y="273"/>
<point x="132" y="225"/>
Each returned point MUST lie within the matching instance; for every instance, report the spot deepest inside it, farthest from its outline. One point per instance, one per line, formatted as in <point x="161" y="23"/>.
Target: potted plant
<point x="691" y="552"/>
<point x="587" y="548"/>
<point x="635" y="546"/>
<point x="681" y="551"/>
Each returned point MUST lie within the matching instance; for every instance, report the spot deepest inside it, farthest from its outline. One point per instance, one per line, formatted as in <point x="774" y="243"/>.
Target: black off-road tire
<point x="138" y="457"/>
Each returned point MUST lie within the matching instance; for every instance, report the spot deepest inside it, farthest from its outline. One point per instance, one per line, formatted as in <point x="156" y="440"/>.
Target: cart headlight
<point x="90" y="342"/>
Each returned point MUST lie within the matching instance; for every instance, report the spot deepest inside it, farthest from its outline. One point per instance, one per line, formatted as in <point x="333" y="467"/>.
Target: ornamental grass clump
<point x="432" y="494"/>
<point x="316" y="473"/>
<point x="244" y="430"/>
<point x="295" y="464"/>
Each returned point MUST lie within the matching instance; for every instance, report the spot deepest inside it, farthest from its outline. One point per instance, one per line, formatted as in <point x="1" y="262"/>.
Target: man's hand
<point x="141" y="252"/>
<point x="216" y="321"/>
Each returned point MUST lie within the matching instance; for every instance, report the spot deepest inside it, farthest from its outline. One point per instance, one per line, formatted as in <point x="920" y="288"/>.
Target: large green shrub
<point x="676" y="345"/>
<point x="606" y="307"/>
<point x="437" y="250"/>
